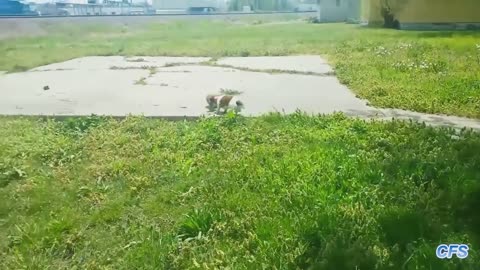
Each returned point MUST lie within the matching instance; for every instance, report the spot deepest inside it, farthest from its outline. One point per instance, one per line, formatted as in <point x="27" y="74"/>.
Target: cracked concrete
<point x="107" y="62"/>
<point x="299" y="63"/>
<point x="177" y="86"/>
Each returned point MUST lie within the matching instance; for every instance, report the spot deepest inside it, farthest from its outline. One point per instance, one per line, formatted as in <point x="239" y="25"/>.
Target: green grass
<point x="434" y="72"/>
<point x="276" y="192"/>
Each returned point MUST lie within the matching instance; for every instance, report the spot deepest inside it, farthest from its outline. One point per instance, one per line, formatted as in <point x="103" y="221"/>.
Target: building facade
<point x="338" y="10"/>
<point x="184" y="4"/>
<point x="425" y="14"/>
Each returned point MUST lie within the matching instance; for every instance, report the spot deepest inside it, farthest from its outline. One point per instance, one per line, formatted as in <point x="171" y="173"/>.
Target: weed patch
<point x="136" y="60"/>
<point x="231" y="92"/>
<point x="141" y="81"/>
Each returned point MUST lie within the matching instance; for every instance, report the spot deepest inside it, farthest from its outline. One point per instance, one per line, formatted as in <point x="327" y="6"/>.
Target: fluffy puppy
<point x="224" y="102"/>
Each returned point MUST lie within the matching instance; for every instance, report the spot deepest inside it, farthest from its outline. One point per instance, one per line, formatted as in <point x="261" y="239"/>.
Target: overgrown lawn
<point x="276" y="192"/>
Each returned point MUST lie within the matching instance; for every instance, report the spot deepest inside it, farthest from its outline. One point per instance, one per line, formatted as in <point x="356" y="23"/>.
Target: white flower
<point x="405" y="46"/>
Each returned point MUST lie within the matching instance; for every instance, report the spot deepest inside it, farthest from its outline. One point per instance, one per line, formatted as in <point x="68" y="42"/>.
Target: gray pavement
<point x="177" y="86"/>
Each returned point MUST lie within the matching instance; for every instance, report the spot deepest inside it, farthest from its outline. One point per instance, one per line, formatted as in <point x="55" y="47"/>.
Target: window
<point x="338" y="3"/>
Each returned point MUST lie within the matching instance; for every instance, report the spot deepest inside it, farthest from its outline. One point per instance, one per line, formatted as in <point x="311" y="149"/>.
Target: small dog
<point x="224" y="102"/>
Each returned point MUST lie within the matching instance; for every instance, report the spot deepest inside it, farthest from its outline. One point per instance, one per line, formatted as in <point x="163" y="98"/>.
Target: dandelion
<point x="382" y="51"/>
<point x="424" y="65"/>
<point x="405" y="46"/>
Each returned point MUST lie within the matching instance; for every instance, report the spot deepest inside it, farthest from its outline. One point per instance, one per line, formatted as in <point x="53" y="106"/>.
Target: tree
<point x="389" y="10"/>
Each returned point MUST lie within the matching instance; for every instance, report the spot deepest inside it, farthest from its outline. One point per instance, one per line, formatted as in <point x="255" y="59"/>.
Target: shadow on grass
<point x="340" y="252"/>
<point x="446" y="210"/>
<point x="467" y="215"/>
<point x="410" y="237"/>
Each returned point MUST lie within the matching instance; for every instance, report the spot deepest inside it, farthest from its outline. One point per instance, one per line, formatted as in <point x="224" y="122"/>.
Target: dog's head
<point x="239" y="104"/>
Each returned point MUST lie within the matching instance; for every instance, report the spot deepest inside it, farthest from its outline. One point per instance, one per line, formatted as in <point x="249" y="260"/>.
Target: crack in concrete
<point x="44" y="70"/>
<point x="133" y="67"/>
<point x="269" y="71"/>
<point x="214" y="64"/>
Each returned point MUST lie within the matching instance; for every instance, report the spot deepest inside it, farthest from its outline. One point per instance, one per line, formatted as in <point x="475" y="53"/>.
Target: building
<point x="303" y="5"/>
<point x="423" y="14"/>
<point x="271" y="5"/>
<point x="185" y="4"/>
<point x="170" y="4"/>
<point x="338" y="10"/>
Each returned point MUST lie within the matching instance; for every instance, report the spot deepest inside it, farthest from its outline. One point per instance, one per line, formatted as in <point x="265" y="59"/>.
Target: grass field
<point x="435" y="72"/>
<point x="276" y="192"/>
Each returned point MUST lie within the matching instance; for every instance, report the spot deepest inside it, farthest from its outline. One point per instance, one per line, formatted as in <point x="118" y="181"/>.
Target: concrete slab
<point x="177" y="90"/>
<point x="261" y="92"/>
<point x="89" y="85"/>
<point x="430" y="119"/>
<point x="299" y="63"/>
